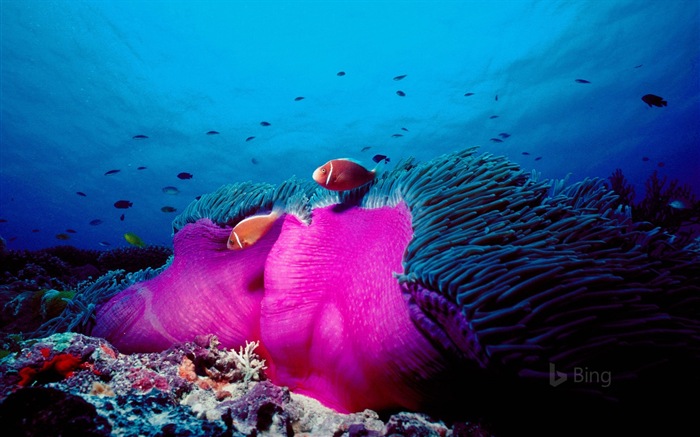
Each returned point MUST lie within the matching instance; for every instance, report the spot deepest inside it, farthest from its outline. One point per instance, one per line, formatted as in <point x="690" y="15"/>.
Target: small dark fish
<point x="366" y="148"/>
<point x="170" y="190"/>
<point x="265" y="123"/>
<point x="213" y="132"/>
<point x="184" y="175"/>
<point x="404" y="129"/>
<point x="95" y="222"/>
<point x="400" y="93"/>
<point x="638" y="66"/>
<point x="661" y="164"/>
<point x="400" y="77"/>
<point x="140" y="137"/>
<point x="496" y="140"/>
<point x="254" y="161"/>
<point x="168" y="209"/>
<point x="538" y="158"/>
<point x="123" y="204"/>
<point x="380" y="158"/>
<point x="104" y="244"/>
<point x="496" y="97"/>
<point x="71" y="231"/>
<point x="581" y="81"/>
<point x="112" y="172"/>
<point x="468" y="94"/>
<point x="526" y="153"/>
<point x="121" y="218"/>
<point x="141" y="168"/>
<point x="396" y="135"/>
<point x="36" y="230"/>
<point x="297" y="99"/>
<point x="62" y="237"/>
<point x="3" y="220"/>
<point x="645" y="158"/>
<point x="340" y="73"/>
<point x="250" y="138"/>
<point x="493" y="116"/>
<point x="198" y="197"/>
<point x="651" y="99"/>
<point x="81" y="194"/>
<point x="504" y="135"/>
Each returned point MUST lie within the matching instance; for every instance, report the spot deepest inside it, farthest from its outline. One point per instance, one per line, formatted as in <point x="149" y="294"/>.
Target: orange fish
<point x="249" y="230"/>
<point x="343" y="174"/>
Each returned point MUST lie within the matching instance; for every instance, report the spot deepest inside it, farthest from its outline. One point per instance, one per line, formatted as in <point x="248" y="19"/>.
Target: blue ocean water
<point x="557" y="84"/>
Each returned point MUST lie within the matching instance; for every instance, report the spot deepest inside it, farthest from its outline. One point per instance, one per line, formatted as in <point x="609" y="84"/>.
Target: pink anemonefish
<point x="342" y="174"/>
<point x="249" y="230"/>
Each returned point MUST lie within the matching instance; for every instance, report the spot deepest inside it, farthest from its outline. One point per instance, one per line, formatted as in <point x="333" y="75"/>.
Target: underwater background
<point x="525" y="259"/>
<point x="147" y="105"/>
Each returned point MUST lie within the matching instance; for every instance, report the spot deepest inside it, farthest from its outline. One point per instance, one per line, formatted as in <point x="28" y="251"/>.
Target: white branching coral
<point x="249" y="363"/>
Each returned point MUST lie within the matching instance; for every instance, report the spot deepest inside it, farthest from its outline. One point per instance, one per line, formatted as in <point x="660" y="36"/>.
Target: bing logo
<point x="556" y="378"/>
<point x="581" y="375"/>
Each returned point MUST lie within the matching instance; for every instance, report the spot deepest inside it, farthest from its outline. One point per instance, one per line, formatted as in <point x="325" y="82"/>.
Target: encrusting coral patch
<point x="196" y="389"/>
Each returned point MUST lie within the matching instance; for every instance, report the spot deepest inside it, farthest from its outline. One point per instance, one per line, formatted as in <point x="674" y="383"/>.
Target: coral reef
<point x="37" y="269"/>
<point x="133" y="259"/>
<point x="65" y="266"/>
<point x="669" y="205"/>
<point x="196" y="389"/>
<point x="73" y="256"/>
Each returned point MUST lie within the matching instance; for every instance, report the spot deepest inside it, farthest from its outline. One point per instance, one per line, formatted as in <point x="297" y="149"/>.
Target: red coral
<point x="59" y="367"/>
<point x="109" y="351"/>
<point x="145" y="380"/>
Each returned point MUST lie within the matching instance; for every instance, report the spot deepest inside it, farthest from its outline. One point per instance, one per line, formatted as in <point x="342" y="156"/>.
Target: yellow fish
<point x="134" y="239"/>
<point x="249" y="230"/>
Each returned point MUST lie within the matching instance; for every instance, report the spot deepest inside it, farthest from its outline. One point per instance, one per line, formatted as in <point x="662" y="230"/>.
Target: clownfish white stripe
<point x="238" y="240"/>
<point x="330" y="172"/>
